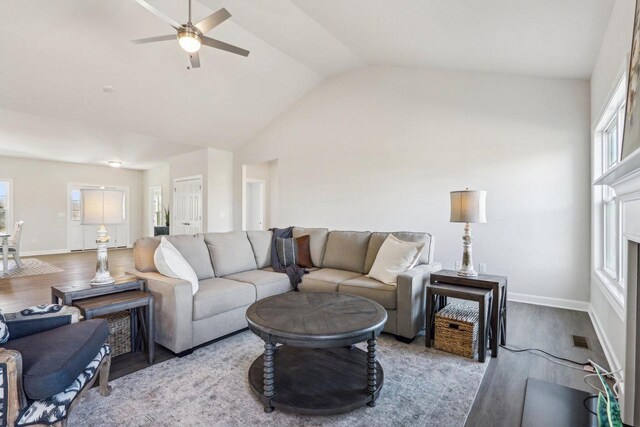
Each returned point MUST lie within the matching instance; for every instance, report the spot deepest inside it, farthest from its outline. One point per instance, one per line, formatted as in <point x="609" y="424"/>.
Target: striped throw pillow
<point x="287" y="251"/>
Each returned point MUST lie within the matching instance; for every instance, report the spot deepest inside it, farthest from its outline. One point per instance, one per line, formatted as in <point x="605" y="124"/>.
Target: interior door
<point x="187" y="206"/>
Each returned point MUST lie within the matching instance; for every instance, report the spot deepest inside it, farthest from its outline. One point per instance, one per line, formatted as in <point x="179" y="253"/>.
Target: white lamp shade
<point x="101" y="207"/>
<point x="468" y="206"/>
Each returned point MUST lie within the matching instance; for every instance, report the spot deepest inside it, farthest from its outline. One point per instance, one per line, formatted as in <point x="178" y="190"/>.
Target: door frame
<point x="174" y="200"/>
<point x="150" y="192"/>
<point x="263" y="201"/>
<point x="124" y="188"/>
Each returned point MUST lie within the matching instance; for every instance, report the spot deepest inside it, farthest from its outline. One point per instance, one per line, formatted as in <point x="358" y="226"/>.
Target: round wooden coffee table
<point x="317" y="370"/>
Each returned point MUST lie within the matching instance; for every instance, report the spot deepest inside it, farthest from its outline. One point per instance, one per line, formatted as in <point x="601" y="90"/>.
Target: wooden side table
<point x="498" y="286"/>
<point x="482" y="296"/>
<point x="67" y="294"/>
<point x="130" y="300"/>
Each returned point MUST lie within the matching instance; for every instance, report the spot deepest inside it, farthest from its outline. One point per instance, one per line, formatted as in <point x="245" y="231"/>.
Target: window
<point x="75" y="205"/>
<point x="5" y="207"/>
<point x="608" y="139"/>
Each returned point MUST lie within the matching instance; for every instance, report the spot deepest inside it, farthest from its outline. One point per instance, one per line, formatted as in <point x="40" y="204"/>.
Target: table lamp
<point x="102" y="207"/>
<point x="468" y="206"/>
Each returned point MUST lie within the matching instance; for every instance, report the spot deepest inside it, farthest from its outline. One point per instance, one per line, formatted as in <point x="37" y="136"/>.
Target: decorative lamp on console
<point x="102" y="207"/>
<point x="468" y="206"/>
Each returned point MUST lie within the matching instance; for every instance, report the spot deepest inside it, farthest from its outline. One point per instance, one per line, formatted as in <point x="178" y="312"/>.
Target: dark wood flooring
<point x="501" y="396"/>
<point x="500" y="399"/>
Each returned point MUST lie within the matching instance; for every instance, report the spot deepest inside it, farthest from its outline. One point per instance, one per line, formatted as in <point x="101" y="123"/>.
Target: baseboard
<point x="612" y="360"/>
<point x="549" y="302"/>
<point x="47" y="252"/>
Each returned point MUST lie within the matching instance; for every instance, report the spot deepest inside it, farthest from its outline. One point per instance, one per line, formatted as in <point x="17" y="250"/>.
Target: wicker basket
<point x="457" y="330"/>
<point x="119" y="332"/>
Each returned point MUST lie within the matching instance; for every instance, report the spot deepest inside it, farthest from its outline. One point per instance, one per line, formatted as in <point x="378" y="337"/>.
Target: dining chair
<point x="14" y="243"/>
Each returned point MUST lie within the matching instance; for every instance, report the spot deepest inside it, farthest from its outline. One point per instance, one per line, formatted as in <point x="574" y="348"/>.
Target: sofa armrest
<point x="20" y="325"/>
<point x="410" y="299"/>
<point x="12" y="391"/>
<point x="173" y="303"/>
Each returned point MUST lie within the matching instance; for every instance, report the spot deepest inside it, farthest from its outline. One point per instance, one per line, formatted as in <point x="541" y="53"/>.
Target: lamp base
<point x="471" y="273"/>
<point x="102" y="277"/>
<point x="466" y="269"/>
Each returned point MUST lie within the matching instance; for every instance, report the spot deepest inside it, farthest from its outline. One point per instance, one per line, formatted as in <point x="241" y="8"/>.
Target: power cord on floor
<point x="520" y="350"/>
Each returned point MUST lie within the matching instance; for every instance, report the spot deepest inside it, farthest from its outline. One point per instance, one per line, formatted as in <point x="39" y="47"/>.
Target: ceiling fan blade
<point x="154" y="39"/>
<point x="208" y="41"/>
<point x="194" y="60"/>
<point x="213" y="20"/>
<point x="159" y="14"/>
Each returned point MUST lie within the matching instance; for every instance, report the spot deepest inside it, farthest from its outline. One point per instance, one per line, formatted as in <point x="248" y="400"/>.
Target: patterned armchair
<point x="47" y="361"/>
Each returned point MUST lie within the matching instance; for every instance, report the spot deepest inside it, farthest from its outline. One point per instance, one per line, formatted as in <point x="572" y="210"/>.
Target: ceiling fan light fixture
<point x="189" y="40"/>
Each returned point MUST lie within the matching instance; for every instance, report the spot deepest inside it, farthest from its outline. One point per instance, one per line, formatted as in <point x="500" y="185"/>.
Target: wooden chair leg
<point x="105" y="389"/>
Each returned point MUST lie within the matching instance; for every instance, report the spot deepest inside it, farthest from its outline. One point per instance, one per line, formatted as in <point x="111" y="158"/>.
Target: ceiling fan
<point x="191" y="36"/>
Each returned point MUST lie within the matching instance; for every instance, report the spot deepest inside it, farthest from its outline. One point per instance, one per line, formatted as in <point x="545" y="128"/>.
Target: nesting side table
<point x="498" y="286"/>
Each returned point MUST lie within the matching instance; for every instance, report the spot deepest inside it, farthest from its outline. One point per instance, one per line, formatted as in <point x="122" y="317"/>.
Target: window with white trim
<point x="608" y="139"/>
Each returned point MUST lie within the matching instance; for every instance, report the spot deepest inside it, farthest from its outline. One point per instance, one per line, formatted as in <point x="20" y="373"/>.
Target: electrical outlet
<point x="458" y="265"/>
<point x="482" y="267"/>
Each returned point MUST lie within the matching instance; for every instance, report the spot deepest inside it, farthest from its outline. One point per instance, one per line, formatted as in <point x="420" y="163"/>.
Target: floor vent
<point x="579" y="341"/>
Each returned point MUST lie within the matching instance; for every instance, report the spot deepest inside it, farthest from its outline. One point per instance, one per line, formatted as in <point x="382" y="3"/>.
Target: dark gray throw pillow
<point x="286" y="249"/>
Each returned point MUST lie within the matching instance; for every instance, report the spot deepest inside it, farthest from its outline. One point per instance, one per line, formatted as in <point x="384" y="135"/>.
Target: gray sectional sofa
<point x="234" y="270"/>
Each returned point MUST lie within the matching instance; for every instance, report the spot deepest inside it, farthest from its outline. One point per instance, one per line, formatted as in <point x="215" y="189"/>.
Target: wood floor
<point x="500" y="399"/>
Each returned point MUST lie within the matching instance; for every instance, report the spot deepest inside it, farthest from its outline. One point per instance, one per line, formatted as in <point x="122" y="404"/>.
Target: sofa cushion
<point x="363" y="286"/>
<point x="325" y="280"/>
<point x="195" y="252"/>
<point x="266" y="283"/>
<point x="317" y="242"/>
<point x="377" y="239"/>
<point x="395" y="257"/>
<point x="53" y="359"/>
<point x="261" y="245"/>
<point x="346" y="250"/>
<point x="230" y="252"/>
<point x="170" y="262"/>
<point x="143" y="250"/>
<point x="219" y="295"/>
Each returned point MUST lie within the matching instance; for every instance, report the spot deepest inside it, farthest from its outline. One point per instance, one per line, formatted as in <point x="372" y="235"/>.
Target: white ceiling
<point x="57" y="56"/>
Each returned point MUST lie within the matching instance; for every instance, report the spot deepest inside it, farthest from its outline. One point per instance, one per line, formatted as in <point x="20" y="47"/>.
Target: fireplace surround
<point x="625" y="180"/>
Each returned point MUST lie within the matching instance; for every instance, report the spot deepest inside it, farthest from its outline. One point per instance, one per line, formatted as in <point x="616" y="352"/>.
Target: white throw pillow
<point x="171" y="263"/>
<point x="395" y="257"/>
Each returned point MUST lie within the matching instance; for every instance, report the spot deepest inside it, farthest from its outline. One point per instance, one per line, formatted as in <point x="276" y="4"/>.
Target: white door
<point x="83" y="237"/>
<point x="186" y="217"/>
<point x="255" y="205"/>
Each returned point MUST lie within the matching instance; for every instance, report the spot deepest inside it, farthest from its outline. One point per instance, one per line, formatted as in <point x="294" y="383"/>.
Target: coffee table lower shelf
<point x="317" y="381"/>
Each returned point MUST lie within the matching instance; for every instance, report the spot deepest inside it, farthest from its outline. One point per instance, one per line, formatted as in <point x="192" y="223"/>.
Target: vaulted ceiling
<point x="58" y="55"/>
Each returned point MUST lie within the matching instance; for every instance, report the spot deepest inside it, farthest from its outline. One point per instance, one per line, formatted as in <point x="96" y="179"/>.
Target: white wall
<point x="611" y="63"/>
<point x="220" y="191"/>
<point x="380" y="148"/>
<point x="158" y="176"/>
<point x="40" y="198"/>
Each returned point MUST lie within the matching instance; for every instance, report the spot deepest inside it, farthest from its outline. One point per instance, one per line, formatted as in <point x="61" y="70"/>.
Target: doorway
<point x="186" y="215"/>
<point x="255" y="204"/>
<point x="156" y="209"/>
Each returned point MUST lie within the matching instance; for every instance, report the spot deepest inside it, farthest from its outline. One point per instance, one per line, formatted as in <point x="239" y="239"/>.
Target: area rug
<point x="423" y="387"/>
<point x="30" y="267"/>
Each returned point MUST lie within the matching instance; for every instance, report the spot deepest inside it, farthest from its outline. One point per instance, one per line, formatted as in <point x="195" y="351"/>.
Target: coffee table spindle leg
<point x="371" y="370"/>
<point x="269" y="387"/>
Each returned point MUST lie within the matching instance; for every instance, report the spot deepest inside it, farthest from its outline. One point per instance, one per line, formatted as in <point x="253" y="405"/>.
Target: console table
<point x="498" y="286"/>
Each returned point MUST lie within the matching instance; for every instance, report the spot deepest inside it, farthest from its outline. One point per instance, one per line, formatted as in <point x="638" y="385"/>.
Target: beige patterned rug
<point x="422" y="387"/>
<point x="30" y="267"/>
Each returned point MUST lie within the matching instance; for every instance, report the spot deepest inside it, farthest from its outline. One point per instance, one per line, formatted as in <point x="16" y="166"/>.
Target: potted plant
<point x="167" y="216"/>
